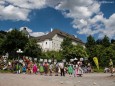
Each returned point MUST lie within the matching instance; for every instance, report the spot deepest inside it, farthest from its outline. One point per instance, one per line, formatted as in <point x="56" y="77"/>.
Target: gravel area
<point x="89" y="79"/>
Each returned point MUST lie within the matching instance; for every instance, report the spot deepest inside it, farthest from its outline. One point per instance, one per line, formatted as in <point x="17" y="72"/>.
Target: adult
<point x="111" y="66"/>
<point x="56" y="69"/>
<point x="61" y="66"/>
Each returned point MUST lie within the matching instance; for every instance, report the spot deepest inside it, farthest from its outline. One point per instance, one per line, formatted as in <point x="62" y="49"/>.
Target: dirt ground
<point x="89" y="79"/>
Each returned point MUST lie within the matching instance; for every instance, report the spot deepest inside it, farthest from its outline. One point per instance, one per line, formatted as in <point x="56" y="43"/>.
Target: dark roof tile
<point x="50" y="35"/>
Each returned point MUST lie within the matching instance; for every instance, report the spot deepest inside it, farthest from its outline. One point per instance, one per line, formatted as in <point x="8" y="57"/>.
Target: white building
<point x="53" y="40"/>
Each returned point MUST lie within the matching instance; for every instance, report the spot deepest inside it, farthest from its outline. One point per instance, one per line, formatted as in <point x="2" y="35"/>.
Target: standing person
<point x="111" y="66"/>
<point x="35" y="68"/>
<point x="75" y="69"/>
<point x="46" y="68"/>
<point x="56" y="69"/>
<point x="41" y="69"/>
<point x="80" y="70"/>
<point x="70" y="69"/>
<point x="51" y="69"/>
<point x="61" y="65"/>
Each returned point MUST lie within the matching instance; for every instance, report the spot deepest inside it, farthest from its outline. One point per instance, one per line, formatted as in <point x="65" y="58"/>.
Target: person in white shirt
<point x="61" y="66"/>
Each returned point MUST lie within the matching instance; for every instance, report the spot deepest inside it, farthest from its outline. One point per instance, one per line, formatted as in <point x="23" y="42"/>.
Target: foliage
<point x="32" y="49"/>
<point x="14" y="40"/>
<point x="102" y="49"/>
<point x="90" y="46"/>
<point x="2" y="37"/>
<point x="52" y="55"/>
<point x="90" y="41"/>
<point x="78" y="51"/>
<point x="105" y="41"/>
<point x="71" y="51"/>
<point x="113" y="41"/>
<point x="66" y="46"/>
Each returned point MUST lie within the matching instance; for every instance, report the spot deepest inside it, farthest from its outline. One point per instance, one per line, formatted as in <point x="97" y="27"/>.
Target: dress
<point x="35" y="68"/>
<point x="41" y="69"/>
<point x="79" y="71"/>
<point x="70" y="69"/>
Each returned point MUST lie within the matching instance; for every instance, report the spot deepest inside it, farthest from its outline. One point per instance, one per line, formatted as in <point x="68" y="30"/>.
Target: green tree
<point x="14" y="40"/>
<point x="71" y="51"/>
<point x="90" y="41"/>
<point x="1" y="42"/>
<point x="66" y="46"/>
<point x="90" y="46"/>
<point x="107" y="53"/>
<point x="32" y="49"/>
<point x="105" y="41"/>
<point x="112" y="41"/>
<point x="52" y="55"/>
<point x="78" y="51"/>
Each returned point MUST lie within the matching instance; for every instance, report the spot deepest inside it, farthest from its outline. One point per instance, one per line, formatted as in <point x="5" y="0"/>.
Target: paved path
<point x="91" y="79"/>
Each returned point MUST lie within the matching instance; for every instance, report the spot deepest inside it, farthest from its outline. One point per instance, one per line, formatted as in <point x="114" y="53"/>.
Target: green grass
<point x="98" y="71"/>
<point x="5" y="71"/>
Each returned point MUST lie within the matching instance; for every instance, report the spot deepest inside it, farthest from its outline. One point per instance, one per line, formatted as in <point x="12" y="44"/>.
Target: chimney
<point x="51" y="29"/>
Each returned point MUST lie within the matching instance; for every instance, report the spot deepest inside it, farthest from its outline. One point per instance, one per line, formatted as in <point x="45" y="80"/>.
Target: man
<point x="111" y="66"/>
<point x="61" y="65"/>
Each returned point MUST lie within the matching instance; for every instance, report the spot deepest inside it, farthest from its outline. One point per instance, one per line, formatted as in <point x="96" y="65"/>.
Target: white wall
<point x="46" y="45"/>
<point x="56" y="42"/>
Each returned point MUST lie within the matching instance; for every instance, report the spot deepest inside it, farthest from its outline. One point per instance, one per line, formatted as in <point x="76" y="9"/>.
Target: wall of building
<point x="56" y="42"/>
<point x="46" y="45"/>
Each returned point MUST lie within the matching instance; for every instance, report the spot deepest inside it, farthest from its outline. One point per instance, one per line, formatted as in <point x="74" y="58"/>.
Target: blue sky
<point x="77" y="17"/>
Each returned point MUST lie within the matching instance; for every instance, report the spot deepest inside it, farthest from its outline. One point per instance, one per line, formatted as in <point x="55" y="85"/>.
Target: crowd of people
<point x="27" y="66"/>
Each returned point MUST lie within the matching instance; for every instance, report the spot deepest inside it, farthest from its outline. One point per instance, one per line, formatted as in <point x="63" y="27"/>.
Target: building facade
<point x="53" y="40"/>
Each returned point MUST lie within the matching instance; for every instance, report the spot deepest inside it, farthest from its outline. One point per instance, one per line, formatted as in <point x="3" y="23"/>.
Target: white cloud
<point x="109" y="26"/>
<point x="29" y="4"/>
<point x="34" y="34"/>
<point x="2" y="2"/>
<point x="37" y="34"/>
<point x="19" y="9"/>
<point x="13" y="13"/>
<point x="86" y="14"/>
<point x="87" y="17"/>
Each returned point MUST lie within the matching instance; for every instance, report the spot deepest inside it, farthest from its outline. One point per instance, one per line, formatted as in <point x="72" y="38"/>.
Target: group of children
<point x="58" y="68"/>
<point x="45" y="68"/>
<point x="75" y="69"/>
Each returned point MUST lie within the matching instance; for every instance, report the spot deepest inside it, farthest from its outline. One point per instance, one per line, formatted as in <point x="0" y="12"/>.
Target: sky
<point x="76" y="17"/>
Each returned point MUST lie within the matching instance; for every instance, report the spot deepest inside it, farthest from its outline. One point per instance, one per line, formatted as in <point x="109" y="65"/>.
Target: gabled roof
<point x="50" y="35"/>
